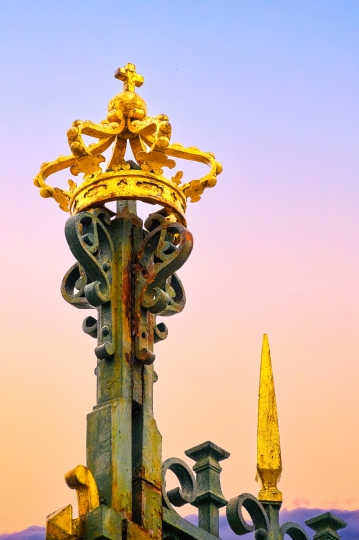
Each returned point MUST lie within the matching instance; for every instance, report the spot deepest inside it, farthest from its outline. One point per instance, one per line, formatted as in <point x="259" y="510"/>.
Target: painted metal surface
<point x="326" y="526"/>
<point x="126" y="271"/>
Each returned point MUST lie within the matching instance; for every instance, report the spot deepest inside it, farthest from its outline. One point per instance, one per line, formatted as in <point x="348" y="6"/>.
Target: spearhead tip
<point x="269" y="459"/>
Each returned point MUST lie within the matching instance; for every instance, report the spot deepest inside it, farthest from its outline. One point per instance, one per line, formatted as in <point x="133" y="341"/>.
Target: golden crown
<point x="141" y="179"/>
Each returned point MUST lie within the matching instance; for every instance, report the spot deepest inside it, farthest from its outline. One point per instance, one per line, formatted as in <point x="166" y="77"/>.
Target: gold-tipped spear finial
<point x="269" y="459"/>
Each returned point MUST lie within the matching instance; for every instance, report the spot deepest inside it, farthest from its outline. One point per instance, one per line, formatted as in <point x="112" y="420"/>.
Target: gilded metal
<point x="88" y="283"/>
<point x="126" y="271"/>
<point x="83" y="482"/>
<point x="149" y="138"/>
<point x="61" y="526"/>
<point x="264" y="511"/>
<point x="269" y="459"/>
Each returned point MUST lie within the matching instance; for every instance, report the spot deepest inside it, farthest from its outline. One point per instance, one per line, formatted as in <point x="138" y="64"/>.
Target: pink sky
<point x="273" y="90"/>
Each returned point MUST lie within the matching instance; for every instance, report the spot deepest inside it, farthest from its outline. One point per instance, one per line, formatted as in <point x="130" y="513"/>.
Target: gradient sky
<point x="298" y="515"/>
<point x="272" y="87"/>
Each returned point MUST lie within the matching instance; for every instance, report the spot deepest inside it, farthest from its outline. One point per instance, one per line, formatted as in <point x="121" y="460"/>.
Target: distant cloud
<point x="32" y="533"/>
<point x="298" y="515"/>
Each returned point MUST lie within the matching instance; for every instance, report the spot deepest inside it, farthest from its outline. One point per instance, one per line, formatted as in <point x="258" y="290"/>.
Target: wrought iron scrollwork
<point x="159" y="290"/>
<point x="261" y="524"/>
<point x="91" y="244"/>
<point x="187" y="493"/>
<point x="89" y="326"/>
<point x="88" y="282"/>
<point x="294" y="531"/>
<point x="256" y="511"/>
<point x="165" y="250"/>
<point x="160" y="332"/>
<point x="73" y="286"/>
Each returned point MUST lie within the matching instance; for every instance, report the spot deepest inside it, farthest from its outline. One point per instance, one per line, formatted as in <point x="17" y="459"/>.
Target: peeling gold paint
<point x="269" y="459"/>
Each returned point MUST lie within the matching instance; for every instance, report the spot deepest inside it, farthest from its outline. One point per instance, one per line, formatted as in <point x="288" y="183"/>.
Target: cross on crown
<point x="130" y="78"/>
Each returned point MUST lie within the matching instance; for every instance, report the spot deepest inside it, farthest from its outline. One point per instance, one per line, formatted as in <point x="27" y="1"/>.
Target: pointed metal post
<point x="269" y="459"/>
<point x="209" y="495"/>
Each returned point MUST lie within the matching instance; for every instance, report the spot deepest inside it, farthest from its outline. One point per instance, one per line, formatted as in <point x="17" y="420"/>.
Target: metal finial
<point x="138" y="179"/>
<point x="129" y="77"/>
<point x="269" y="459"/>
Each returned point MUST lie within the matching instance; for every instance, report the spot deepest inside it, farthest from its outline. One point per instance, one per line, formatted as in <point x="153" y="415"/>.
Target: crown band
<point x="129" y="184"/>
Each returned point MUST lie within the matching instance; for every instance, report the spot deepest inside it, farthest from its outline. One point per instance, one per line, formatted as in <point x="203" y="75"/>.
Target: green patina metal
<point x="126" y="270"/>
<point x="209" y="493"/>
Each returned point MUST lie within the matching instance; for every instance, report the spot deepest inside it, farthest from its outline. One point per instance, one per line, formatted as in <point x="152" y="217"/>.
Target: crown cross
<point x="129" y="77"/>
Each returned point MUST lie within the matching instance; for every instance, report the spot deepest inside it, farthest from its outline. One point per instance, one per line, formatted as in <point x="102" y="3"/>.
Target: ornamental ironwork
<point x="126" y="270"/>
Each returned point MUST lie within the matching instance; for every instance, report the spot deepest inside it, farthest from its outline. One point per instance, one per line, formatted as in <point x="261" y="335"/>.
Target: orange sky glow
<point x="273" y="90"/>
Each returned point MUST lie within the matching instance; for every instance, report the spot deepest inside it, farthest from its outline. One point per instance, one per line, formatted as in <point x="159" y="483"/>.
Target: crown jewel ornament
<point x="139" y="179"/>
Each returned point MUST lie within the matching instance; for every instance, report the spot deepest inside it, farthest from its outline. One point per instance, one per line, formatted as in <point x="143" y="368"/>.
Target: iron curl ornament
<point x="261" y="525"/>
<point x="185" y="494"/>
<point x="158" y="290"/>
<point x="88" y="283"/>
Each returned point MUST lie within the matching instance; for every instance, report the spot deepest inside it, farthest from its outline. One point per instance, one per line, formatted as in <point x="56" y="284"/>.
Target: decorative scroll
<point x="164" y="251"/>
<point x="261" y="525"/>
<point x="195" y="188"/>
<point x="81" y="479"/>
<point x="73" y="287"/>
<point x="88" y="283"/>
<point x="187" y="493"/>
<point x="91" y="244"/>
<point x="256" y="511"/>
<point x="294" y="531"/>
<point x="60" y="525"/>
<point x="159" y="291"/>
<point x="150" y="144"/>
